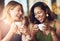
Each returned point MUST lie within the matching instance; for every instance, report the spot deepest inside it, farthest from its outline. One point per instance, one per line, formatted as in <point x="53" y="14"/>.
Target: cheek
<point x="36" y="16"/>
<point x="15" y="12"/>
<point x="13" y="15"/>
<point x="39" y="16"/>
<point x="44" y="15"/>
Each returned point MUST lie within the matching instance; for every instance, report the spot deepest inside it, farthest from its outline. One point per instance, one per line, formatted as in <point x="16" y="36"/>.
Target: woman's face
<point x="16" y="12"/>
<point x="39" y="14"/>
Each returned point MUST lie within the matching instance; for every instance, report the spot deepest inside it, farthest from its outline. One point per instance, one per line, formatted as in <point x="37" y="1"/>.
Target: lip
<point x="41" y="20"/>
<point x="18" y="15"/>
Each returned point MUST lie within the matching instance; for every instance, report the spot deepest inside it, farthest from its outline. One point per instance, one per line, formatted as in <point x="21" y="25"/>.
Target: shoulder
<point x="58" y="23"/>
<point x="1" y="23"/>
<point x="58" y="27"/>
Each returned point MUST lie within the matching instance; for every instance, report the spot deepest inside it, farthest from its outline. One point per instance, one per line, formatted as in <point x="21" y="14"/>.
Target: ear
<point x="10" y="11"/>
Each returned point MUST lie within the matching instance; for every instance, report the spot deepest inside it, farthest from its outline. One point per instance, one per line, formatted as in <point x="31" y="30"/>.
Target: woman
<point x="41" y="16"/>
<point x="12" y="13"/>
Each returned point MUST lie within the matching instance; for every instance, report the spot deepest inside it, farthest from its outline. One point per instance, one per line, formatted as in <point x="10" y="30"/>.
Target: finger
<point x="45" y="28"/>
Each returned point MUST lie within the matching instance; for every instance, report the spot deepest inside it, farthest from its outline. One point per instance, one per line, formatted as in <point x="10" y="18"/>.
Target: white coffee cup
<point x="19" y="24"/>
<point x="40" y="26"/>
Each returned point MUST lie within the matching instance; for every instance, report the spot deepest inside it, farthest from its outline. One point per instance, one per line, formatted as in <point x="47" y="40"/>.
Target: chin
<point x="41" y="21"/>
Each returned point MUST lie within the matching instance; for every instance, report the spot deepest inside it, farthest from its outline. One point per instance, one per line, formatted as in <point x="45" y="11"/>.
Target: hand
<point x="47" y="29"/>
<point x="13" y="28"/>
<point x="35" y="29"/>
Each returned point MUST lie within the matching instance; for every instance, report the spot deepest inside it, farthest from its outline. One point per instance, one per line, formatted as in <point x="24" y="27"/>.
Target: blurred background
<point x="53" y="4"/>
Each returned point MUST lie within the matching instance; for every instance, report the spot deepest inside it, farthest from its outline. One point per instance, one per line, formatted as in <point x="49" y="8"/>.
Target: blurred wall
<point x="34" y="1"/>
<point x="27" y="4"/>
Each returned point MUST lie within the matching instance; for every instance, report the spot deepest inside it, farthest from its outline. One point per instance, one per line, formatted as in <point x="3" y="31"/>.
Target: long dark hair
<point x="43" y="6"/>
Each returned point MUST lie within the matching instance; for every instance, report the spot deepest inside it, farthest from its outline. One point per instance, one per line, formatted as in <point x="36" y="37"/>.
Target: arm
<point x="8" y="36"/>
<point x="54" y="36"/>
<point x="12" y="31"/>
<point x="51" y="30"/>
<point x="5" y="39"/>
<point x="58" y="28"/>
<point x="55" y="33"/>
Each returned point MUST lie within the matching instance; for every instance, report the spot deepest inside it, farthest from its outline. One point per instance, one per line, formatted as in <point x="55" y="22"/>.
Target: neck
<point x="8" y="21"/>
<point x="46" y="21"/>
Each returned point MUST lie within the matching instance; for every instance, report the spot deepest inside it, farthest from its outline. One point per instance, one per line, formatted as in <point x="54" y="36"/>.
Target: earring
<point x="47" y="15"/>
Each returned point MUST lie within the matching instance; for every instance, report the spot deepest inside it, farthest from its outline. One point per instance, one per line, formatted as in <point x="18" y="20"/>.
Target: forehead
<point x="37" y="9"/>
<point x="18" y="7"/>
<point x="15" y="7"/>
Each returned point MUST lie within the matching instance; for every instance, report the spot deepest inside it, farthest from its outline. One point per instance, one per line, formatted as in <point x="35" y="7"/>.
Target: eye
<point x="39" y="12"/>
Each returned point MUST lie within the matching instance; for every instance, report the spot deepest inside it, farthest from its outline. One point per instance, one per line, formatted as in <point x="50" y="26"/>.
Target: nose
<point x="40" y="15"/>
<point x="37" y="16"/>
<point x="20" y="12"/>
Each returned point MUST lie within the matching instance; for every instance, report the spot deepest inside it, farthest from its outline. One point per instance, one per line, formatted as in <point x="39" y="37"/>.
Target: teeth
<point x="39" y="18"/>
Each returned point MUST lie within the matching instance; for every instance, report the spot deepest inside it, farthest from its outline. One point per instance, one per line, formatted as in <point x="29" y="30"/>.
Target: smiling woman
<point x="13" y="12"/>
<point x="40" y="13"/>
